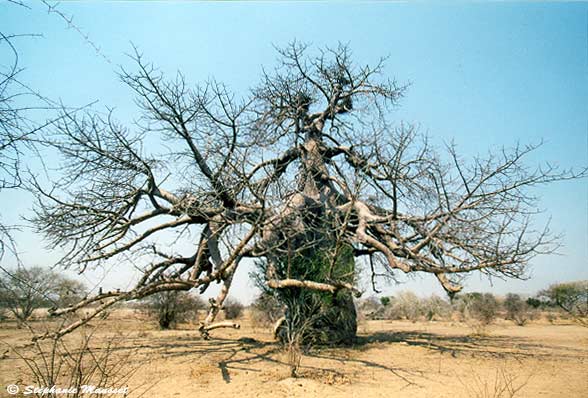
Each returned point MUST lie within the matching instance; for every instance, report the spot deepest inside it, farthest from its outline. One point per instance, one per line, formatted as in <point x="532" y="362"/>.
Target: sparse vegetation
<point x="504" y="383"/>
<point x="82" y="367"/>
<point x="172" y="307"/>
<point x="571" y="297"/>
<point x="232" y="308"/>
<point x="479" y="310"/>
<point x="486" y="367"/>
<point x="435" y="308"/>
<point x="24" y="290"/>
<point x="266" y="310"/>
<point x="370" y="308"/>
<point x="406" y="305"/>
<point x="517" y="310"/>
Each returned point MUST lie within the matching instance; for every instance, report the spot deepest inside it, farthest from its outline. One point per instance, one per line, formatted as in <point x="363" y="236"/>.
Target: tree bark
<point x="337" y="323"/>
<point x="317" y="316"/>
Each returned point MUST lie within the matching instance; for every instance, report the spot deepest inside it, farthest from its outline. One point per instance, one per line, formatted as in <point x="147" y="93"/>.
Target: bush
<point x="406" y="305"/>
<point x="266" y="309"/>
<point x="232" y="308"/>
<point x="172" y="307"/>
<point x="435" y="307"/>
<point x="69" y="292"/>
<point x="517" y="310"/>
<point x="479" y="310"/>
<point x="370" y="308"/>
<point x="551" y="317"/>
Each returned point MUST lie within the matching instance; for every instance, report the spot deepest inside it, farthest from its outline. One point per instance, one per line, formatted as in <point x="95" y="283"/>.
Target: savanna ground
<point x="390" y="359"/>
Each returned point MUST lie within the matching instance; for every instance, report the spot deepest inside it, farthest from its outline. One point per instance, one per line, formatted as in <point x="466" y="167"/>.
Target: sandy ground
<point x="391" y="359"/>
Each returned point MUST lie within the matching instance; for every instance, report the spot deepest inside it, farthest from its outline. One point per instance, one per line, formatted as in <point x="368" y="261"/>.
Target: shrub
<point x="266" y="309"/>
<point x="435" y="307"/>
<point x="172" y="307"/>
<point x="517" y="310"/>
<point x="406" y="305"/>
<point x="68" y="292"/>
<point x="479" y="310"/>
<point x="385" y="301"/>
<point x="534" y="303"/>
<point x="74" y="363"/>
<point x="370" y="308"/>
<point x="503" y="383"/>
<point x="551" y="317"/>
<point x="232" y="308"/>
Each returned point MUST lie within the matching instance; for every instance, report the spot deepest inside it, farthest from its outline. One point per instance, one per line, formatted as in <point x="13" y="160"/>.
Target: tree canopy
<point x="307" y="160"/>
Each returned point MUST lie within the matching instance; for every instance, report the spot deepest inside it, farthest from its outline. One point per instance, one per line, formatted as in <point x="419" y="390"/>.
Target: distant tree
<point x="517" y="310"/>
<point x="385" y="301"/>
<point x="572" y="297"/>
<point x="534" y="302"/>
<point x="24" y="290"/>
<point x="172" y="307"/>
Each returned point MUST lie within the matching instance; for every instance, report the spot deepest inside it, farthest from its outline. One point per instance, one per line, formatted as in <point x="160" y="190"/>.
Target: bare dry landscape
<point x="391" y="358"/>
<point x="230" y="202"/>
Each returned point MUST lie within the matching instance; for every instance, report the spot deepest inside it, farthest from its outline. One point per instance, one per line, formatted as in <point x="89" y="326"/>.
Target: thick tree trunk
<point x="319" y="317"/>
<point x="337" y="323"/>
<point x="334" y="324"/>
<point x="314" y="317"/>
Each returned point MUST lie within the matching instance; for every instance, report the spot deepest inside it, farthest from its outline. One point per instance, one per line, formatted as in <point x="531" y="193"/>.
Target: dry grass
<point x="506" y="382"/>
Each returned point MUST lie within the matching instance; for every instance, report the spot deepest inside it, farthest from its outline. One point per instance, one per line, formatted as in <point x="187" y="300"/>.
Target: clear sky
<point x="483" y="74"/>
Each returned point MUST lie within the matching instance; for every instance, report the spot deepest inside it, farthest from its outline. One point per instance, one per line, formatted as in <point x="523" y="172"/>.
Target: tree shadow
<point x="495" y="346"/>
<point x="246" y="354"/>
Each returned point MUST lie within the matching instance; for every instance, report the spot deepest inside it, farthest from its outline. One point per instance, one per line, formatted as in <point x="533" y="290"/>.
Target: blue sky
<point x="482" y="74"/>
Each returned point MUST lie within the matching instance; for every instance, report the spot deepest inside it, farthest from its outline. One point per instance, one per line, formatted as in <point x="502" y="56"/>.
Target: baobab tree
<point x="304" y="170"/>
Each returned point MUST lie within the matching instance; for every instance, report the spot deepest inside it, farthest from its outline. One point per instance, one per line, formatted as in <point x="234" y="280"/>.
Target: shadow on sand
<point x="244" y="354"/>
